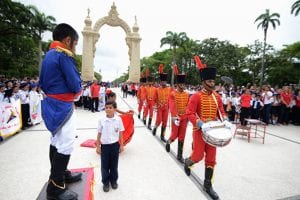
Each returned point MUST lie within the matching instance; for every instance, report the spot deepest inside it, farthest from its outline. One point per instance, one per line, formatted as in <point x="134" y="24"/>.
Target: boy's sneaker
<point x="114" y="185"/>
<point x="105" y="188"/>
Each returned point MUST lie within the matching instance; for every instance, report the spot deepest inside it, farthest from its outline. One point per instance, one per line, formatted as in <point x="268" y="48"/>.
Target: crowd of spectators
<point x="25" y="89"/>
<point x="272" y="105"/>
<point x="94" y="96"/>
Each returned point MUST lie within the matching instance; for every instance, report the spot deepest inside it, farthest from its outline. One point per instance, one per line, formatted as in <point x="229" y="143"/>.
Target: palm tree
<point x="264" y="20"/>
<point x="296" y="8"/>
<point x="190" y="48"/>
<point x="41" y="23"/>
<point x="174" y="40"/>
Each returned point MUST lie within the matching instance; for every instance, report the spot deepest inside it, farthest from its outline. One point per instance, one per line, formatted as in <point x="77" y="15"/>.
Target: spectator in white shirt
<point x="24" y="96"/>
<point x="267" y="97"/>
<point x="2" y="89"/>
<point x="86" y="97"/>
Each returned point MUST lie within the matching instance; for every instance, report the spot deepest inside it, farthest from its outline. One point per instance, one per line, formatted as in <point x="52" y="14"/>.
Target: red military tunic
<point x="202" y="105"/>
<point x="162" y="102"/>
<point x="141" y="94"/>
<point x="178" y="104"/>
<point x="150" y="95"/>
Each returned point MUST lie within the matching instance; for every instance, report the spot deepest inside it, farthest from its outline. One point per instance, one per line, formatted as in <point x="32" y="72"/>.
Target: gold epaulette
<point x="65" y="51"/>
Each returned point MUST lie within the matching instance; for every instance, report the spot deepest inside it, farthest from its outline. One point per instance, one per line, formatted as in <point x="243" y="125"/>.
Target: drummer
<point x="203" y="107"/>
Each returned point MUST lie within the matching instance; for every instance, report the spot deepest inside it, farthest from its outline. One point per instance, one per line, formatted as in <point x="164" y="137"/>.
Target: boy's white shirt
<point x="110" y="129"/>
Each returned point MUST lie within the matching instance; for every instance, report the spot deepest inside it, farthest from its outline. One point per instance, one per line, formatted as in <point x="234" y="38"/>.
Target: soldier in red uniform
<point x="203" y="107"/>
<point x="162" y="102"/>
<point x="141" y="95"/>
<point x="178" y="102"/>
<point x="150" y="101"/>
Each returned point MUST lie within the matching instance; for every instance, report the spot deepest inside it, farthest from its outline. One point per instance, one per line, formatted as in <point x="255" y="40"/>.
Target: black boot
<point x="52" y="152"/>
<point x="187" y="164"/>
<point x="154" y="131"/>
<point x="168" y="145"/>
<point x="139" y="115"/>
<point x="180" y="151"/>
<point x="144" y="121"/>
<point x="162" y="134"/>
<point x="56" y="188"/>
<point x="149" y="124"/>
<point x="207" y="183"/>
<point x="71" y="177"/>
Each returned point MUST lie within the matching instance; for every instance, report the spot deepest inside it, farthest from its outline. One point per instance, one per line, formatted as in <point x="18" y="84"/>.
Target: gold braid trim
<point x="66" y="51"/>
<point x="56" y="185"/>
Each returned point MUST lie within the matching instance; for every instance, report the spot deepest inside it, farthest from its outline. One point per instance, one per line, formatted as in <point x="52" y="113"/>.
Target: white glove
<point x="205" y="127"/>
<point x="176" y="120"/>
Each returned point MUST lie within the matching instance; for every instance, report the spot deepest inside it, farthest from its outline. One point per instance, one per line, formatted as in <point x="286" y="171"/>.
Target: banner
<point x="35" y="107"/>
<point x="10" y="118"/>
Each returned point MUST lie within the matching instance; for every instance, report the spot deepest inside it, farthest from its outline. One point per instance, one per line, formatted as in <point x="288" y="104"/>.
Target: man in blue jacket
<point x="60" y="81"/>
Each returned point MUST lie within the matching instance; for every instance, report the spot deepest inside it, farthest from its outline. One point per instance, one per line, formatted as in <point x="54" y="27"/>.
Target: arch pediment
<point x="112" y="20"/>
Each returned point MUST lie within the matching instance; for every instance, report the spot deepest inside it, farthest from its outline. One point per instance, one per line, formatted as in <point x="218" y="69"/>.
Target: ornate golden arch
<point x="91" y="36"/>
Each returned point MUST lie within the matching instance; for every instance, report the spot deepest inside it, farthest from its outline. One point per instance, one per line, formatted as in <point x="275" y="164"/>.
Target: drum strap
<point x="220" y="114"/>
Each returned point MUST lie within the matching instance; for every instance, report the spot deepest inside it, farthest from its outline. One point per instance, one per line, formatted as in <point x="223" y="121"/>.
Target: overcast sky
<point x="231" y="20"/>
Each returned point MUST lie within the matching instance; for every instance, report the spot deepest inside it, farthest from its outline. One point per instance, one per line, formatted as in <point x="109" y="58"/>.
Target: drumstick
<point x="218" y="126"/>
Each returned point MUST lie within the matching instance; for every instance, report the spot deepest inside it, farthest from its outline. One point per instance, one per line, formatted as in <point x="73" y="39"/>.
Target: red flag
<point x="128" y="122"/>
<point x="175" y="69"/>
<point x="161" y="68"/>
<point x="200" y="65"/>
<point x="147" y="72"/>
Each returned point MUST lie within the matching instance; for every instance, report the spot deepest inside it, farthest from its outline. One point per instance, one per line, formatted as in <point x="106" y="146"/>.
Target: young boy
<point x="109" y="144"/>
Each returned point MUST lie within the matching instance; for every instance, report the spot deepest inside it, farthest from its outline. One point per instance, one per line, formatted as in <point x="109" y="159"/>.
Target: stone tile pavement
<point x="244" y="170"/>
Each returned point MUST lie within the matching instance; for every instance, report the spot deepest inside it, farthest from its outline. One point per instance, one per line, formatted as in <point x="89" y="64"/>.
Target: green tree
<point x="15" y="19"/>
<point x="187" y="51"/>
<point x="253" y="59"/>
<point x="227" y="58"/>
<point x="263" y="21"/>
<point x="152" y="63"/>
<point x="17" y="47"/>
<point x="295" y="8"/>
<point x="40" y="23"/>
<point x="98" y="76"/>
<point x="174" y="40"/>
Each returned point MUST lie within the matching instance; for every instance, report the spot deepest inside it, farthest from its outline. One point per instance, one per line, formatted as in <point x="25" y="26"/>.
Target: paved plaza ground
<point x="147" y="172"/>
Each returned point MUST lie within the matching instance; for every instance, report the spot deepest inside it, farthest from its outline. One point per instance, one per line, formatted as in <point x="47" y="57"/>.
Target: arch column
<point x="87" y="73"/>
<point x="135" y="64"/>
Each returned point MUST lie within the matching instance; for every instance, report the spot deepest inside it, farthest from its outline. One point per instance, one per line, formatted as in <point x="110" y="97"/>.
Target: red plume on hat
<point x="175" y="69"/>
<point x="200" y="65"/>
<point x="147" y="72"/>
<point x="161" y="68"/>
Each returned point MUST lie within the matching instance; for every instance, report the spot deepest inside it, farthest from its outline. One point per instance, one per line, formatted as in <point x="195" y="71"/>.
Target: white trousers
<point x="64" y="139"/>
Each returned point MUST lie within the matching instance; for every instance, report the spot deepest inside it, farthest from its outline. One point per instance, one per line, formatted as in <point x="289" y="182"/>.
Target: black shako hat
<point x="163" y="76"/>
<point x="180" y="78"/>
<point x="143" y="80"/>
<point x="208" y="73"/>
